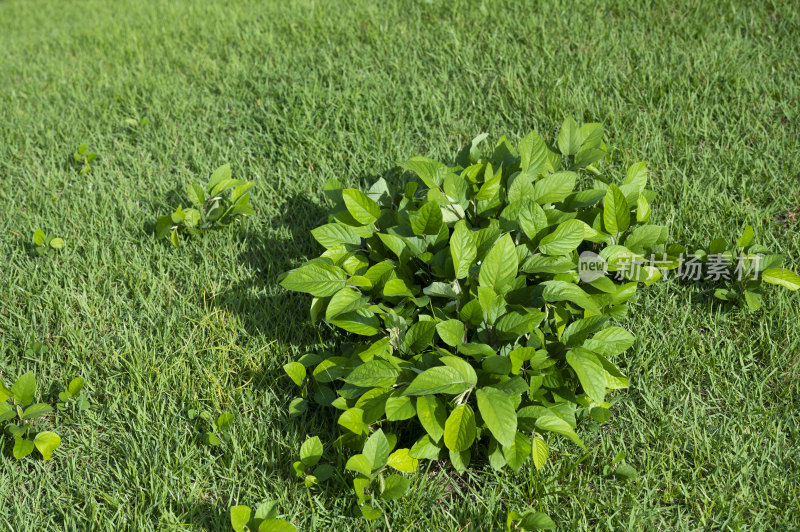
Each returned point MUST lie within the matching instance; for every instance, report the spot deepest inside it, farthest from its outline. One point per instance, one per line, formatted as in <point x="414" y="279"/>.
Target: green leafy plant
<point x="219" y="428"/>
<point x="223" y="201"/>
<point x="264" y="519"/>
<point x="481" y="339"/>
<point x="44" y="244"/>
<point x="84" y="159"/>
<point x="17" y="413"/>
<point x="73" y="392"/>
<point x="310" y="455"/>
<point x="742" y="267"/>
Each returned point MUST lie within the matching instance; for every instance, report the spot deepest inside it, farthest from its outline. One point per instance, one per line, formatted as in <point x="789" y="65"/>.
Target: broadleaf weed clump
<point x="476" y="336"/>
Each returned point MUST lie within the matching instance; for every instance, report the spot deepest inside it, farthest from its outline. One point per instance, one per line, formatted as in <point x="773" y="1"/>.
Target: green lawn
<point x="292" y="94"/>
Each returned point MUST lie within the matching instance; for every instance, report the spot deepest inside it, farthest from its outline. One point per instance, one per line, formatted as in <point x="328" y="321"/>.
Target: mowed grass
<point x="292" y="94"/>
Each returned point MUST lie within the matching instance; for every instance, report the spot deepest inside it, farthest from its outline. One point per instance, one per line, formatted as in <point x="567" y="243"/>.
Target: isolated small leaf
<point x="39" y="237"/>
<point x="22" y="448"/>
<point x="311" y="451"/>
<point x="47" y="442"/>
<point x="223" y="421"/>
<point x="296" y="371"/>
<point x="76" y="385"/>
<point x="240" y="517"/>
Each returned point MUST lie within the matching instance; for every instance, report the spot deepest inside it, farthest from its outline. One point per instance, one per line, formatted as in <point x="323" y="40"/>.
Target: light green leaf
<point x="320" y="280"/>
<point x="39" y="237"/>
<point x="218" y="177"/>
<point x="746" y="238"/>
<point x="402" y="461"/>
<point x="463" y="249"/>
<point x="394" y="487"/>
<point x="499" y="267"/>
<point x="563" y="291"/>
<point x="616" y="215"/>
<point x="360" y="206"/>
<point x="567" y="237"/>
<point x="637" y="176"/>
<point x="459" y="429"/>
<point x="376" y="373"/>
<point x="23" y="390"/>
<point x="451" y="332"/>
<point x="276" y="525"/>
<point x="397" y="288"/>
<point x="569" y="138"/>
<point x="344" y="301"/>
<point x="432" y="414"/>
<point x="518" y="452"/>
<point x="536" y="521"/>
<point x="498" y="413"/>
<point x="47" y="442"/>
<point x="643" y="212"/>
<point x="427" y="220"/>
<point x="533" y="153"/>
<point x="553" y="423"/>
<point x="36" y="410"/>
<point x="336" y="234"/>
<point x="611" y="341"/>
<point x="223" y="421"/>
<point x="539" y="452"/>
<point x="399" y="408"/>
<point x="296" y="371"/>
<point x="463" y="367"/>
<point x="439" y="379"/>
<point x="431" y="172"/>
<point x="360" y="464"/>
<point x="590" y="372"/>
<point x="240" y="517"/>
<point x="780" y="276"/>
<point x="419" y="336"/>
<point x="377" y="449"/>
<point x="353" y="420"/>
<point x="76" y="385"/>
<point x="554" y="188"/>
<point x="360" y="321"/>
<point x="22" y="448"/>
<point x="491" y="186"/>
<point x="311" y="451"/>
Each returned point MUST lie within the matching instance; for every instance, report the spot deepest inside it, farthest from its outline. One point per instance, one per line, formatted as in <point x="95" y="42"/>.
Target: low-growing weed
<point x="222" y="201"/>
